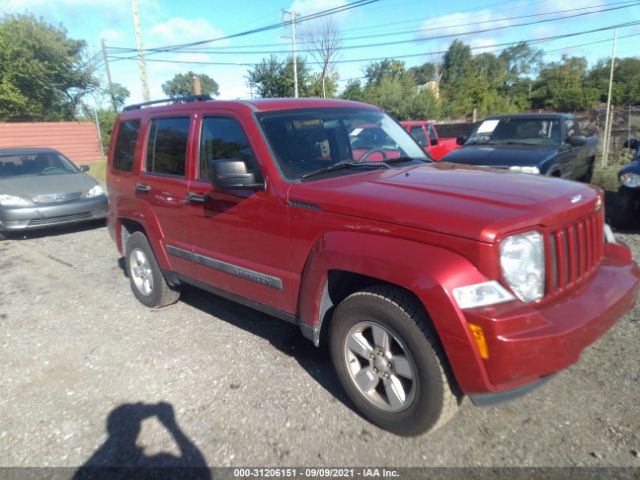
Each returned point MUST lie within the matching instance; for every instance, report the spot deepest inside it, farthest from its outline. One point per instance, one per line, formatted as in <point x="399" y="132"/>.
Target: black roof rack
<point x="191" y="98"/>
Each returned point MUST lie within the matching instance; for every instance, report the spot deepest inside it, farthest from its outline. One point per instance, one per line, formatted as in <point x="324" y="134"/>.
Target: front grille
<point x="573" y="252"/>
<point x="57" y="197"/>
<point x="54" y="220"/>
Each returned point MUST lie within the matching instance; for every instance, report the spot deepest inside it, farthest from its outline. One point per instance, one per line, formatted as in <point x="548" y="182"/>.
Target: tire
<point x="586" y="178"/>
<point x="624" y="208"/>
<point x="146" y="279"/>
<point x="406" y="387"/>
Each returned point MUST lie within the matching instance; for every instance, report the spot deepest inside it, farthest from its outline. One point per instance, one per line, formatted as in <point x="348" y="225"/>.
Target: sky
<point x="407" y="25"/>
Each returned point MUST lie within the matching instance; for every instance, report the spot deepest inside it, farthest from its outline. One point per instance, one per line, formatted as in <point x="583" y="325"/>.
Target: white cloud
<point x="462" y="23"/>
<point x="182" y="30"/>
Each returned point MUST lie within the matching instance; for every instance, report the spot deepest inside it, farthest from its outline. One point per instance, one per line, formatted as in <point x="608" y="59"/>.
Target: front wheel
<point x="625" y="207"/>
<point x="147" y="282"/>
<point x="390" y="363"/>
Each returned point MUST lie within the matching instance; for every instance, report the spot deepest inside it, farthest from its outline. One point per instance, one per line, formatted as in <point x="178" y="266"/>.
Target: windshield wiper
<point x="342" y="166"/>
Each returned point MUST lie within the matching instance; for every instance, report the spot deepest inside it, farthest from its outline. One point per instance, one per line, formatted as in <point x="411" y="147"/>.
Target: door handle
<point x="195" y="198"/>
<point x="143" y="188"/>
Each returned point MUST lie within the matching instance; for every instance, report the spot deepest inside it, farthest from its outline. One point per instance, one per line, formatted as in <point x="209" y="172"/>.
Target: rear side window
<point x="419" y="135"/>
<point x="125" y="147"/>
<point x="167" y="146"/>
<point x="432" y="135"/>
<point x="223" y="138"/>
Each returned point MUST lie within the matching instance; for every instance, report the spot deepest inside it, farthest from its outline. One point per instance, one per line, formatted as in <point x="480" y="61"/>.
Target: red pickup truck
<point x="428" y="281"/>
<point x="426" y="135"/>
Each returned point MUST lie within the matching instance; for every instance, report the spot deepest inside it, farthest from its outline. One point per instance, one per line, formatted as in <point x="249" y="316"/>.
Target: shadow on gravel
<point x="119" y="457"/>
<point x="56" y="231"/>
<point x="284" y="336"/>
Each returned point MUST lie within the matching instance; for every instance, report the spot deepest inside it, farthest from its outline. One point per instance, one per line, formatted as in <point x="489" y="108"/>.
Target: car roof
<point x="25" y="151"/>
<point x="256" y="105"/>
<point x="412" y="123"/>
<point x="525" y="116"/>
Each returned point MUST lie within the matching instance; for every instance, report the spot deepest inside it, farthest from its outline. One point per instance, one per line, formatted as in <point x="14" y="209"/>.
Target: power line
<point x="398" y="42"/>
<point x="301" y="19"/>
<point x="362" y="60"/>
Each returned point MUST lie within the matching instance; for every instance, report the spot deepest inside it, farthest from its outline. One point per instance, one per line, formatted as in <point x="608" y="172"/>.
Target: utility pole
<point x="197" y="87"/>
<point x="608" y="119"/>
<point x="293" y="14"/>
<point x="106" y="67"/>
<point x="141" y="63"/>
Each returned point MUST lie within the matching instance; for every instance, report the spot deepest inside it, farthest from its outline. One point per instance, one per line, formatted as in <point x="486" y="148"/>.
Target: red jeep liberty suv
<point x="429" y="281"/>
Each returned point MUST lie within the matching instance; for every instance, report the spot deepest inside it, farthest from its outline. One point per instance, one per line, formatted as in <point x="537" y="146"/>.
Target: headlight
<point x="481" y="294"/>
<point x="517" y="168"/>
<point x="94" y="191"/>
<point x="14" y="201"/>
<point x="631" y="180"/>
<point x="522" y="263"/>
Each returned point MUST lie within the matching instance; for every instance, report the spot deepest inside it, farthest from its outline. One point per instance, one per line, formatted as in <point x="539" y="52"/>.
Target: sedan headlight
<point x="631" y="180"/>
<point x="94" y="191"/>
<point x="517" y="168"/>
<point x="522" y="263"/>
<point x="13" y="201"/>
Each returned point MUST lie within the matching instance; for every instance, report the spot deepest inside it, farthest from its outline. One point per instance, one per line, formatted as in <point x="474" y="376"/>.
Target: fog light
<point x="481" y="341"/>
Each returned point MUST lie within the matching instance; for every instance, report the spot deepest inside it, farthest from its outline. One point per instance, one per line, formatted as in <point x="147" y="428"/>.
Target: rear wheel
<point x="146" y="279"/>
<point x="389" y="361"/>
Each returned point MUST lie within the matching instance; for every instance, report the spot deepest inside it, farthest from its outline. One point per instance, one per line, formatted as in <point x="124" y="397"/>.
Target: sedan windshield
<point x="311" y="141"/>
<point x="517" y="131"/>
<point x="34" y="164"/>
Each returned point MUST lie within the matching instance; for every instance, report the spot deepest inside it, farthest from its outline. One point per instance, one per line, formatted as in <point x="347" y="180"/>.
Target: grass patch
<point x="606" y="177"/>
<point x="98" y="170"/>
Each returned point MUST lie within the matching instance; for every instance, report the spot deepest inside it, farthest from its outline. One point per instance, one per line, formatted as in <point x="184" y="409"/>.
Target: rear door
<point x="163" y="183"/>
<point x="240" y="237"/>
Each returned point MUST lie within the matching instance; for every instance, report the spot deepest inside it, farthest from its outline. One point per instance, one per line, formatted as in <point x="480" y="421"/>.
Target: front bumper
<point x="13" y="219"/>
<point x="529" y="342"/>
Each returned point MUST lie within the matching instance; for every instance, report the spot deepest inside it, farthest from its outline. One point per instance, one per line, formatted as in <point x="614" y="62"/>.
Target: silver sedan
<point x="40" y="187"/>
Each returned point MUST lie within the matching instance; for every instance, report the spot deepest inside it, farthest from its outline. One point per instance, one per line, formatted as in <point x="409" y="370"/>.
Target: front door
<point x="240" y="237"/>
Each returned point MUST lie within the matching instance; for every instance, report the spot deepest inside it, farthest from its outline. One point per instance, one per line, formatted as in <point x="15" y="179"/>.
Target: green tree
<point x="120" y="94"/>
<point x="376" y="71"/>
<point x="181" y="85"/>
<point x="562" y="86"/>
<point x="423" y="73"/>
<point x="626" y="80"/>
<point x="353" y="91"/>
<point x="43" y="73"/>
<point x="273" y="78"/>
<point x="522" y="64"/>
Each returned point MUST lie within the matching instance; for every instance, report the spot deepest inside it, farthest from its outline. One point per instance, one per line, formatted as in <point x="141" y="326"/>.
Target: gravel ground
<point x="76" y="349"/>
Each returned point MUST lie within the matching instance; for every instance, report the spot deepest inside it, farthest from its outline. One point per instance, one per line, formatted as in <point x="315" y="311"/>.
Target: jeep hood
<point x="469" y="202"/>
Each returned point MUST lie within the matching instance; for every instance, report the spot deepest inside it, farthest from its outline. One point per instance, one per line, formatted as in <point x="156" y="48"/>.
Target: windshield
<point x="310" y="140"/>
<point x="521" y="131"/>
<point x="34" y="164"/>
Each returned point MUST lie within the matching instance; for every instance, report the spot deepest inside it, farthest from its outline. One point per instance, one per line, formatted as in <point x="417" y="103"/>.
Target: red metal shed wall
<point x="76" y="140"/>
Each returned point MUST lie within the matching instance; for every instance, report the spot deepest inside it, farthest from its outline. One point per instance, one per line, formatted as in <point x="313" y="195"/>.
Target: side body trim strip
<point x="247" y="274"/>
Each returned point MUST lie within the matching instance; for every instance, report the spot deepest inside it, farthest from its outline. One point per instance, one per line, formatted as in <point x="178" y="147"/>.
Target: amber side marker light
<point x="481" y="341"/>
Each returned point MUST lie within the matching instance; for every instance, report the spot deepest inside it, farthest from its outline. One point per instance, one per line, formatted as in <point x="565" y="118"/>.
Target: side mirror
<point x="577" y="140"/>
<point x="460" y="140"/>
<point x="230" y="174"/>
<point x="632" y="144"/>
<point x="84" y="168"/>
